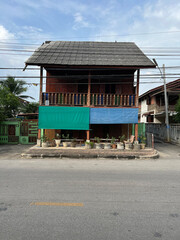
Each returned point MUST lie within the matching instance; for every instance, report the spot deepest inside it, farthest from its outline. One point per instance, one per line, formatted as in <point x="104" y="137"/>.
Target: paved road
<point x="130" y="199"/>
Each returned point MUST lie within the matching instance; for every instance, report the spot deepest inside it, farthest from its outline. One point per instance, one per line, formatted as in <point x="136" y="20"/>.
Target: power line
<point x="85" y="76"/>
<point x="101" y="36"/>
<point x="85" y="51"/>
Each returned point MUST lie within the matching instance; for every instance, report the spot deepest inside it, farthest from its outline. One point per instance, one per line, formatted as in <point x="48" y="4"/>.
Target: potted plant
<point x="129" y="143"/>
<point x="142" y="141"/>
<point x="107" y="145"/>
<point x="57" y="139"/>
<point x="113" y="143"/>
<point x="73" y="143"/>
<point x="120" y="144"/>
<point x="137" y="145"/>
<point x="44" y="141"/>
<point x="65" y="137"/>
<point x="98" y="145"/>
<point x="89" y="145"/>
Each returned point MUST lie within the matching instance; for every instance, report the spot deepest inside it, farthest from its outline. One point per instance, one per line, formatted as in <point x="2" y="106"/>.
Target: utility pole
<point x="163" y="76"/>
<point x="166" y="105"/>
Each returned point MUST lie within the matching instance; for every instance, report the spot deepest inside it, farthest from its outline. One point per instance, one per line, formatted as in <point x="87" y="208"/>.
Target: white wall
<point x="144" y="108"/>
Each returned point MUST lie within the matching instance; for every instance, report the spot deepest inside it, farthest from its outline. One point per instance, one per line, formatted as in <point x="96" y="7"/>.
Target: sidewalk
<point x="69" y="152"/>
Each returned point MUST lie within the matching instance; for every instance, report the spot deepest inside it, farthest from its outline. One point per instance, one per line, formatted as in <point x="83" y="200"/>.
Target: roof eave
<point x="90" y="66"/>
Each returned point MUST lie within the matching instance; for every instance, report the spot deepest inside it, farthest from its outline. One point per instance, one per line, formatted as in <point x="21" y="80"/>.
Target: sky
<point x="154" y="25"/>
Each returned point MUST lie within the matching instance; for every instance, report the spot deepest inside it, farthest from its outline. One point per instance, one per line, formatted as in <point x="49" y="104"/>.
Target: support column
<point x="136" y="132"/>
<point x="88" y="135"/>
<point x="40" y="96"/>
<point x="39" y="133"/>
<point x="137" y="88"/>
<point x="88" y="102"/>
<point x="89" y="90"/>
<point x="41" y="86"/>
<point x="137" y="103"/>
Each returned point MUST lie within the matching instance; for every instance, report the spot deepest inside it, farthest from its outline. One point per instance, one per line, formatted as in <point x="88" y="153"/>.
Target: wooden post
<point x="88" y="102"/>
<point x="137" y="88"/>
<point x="39" y="133"/>
<point x="87" y="135"/>
<point x="40" y="96"/>
<point x="137" y="103"/>
<point x="136" y="132"/>
<point x="89" y="90"/>
<point x="41" y="85"/>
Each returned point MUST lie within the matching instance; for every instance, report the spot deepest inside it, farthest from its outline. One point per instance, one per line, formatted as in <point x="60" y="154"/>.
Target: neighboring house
<point x="90" y="87"/>
<point x="152" y="104"/>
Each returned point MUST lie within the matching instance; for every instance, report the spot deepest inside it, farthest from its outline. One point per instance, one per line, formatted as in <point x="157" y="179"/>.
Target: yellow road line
<point x="56" y="204"/>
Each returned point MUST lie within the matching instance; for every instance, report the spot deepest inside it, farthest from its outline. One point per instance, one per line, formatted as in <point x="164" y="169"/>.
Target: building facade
<point x="152" y="103"/>
<point x="91" y="88"/>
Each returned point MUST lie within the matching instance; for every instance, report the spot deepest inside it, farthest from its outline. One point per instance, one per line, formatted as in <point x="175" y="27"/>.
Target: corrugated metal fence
<point x="159" y="131"/>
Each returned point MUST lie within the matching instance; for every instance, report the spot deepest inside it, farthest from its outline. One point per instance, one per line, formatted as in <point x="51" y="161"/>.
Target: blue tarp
<point x="113" y="115"/>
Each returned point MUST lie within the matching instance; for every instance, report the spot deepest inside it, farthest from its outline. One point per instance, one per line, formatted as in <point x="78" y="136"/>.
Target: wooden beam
<point x="137" y="88"/>
<point x="41" y="86"/>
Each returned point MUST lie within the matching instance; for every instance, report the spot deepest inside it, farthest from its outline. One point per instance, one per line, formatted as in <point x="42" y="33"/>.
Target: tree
<point x="9" y="104"/>
<point x="31" y="107"/>
<point x="11" y="97"/>
<point x="15" y="87"/>
<point x="177" y="108"/>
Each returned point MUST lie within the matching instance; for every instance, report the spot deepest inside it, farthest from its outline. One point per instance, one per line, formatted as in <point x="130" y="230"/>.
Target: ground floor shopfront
<point x="86" y="122"/>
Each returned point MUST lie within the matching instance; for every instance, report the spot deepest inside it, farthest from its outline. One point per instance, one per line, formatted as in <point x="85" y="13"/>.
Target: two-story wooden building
<point x="92" y="88"/>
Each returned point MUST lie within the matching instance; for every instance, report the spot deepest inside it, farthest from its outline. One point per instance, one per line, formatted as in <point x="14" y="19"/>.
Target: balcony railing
<point x="159" y="109"/>
<point x="80" y="99"/>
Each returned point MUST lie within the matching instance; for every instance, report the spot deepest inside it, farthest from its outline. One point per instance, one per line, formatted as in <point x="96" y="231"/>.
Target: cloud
<point x="79" y="21"/>
<point x="107" y="20"/>
<point x="5" y="34"/>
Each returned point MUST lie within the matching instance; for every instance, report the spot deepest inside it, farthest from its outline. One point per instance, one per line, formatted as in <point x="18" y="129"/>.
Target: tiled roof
<point x="89" y="53"/>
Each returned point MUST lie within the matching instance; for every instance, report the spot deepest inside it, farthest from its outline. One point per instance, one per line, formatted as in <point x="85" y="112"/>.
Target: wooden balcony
<point x="80" y="99"/>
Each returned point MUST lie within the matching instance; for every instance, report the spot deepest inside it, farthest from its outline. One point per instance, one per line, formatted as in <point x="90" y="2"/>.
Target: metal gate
<point x="15" y="131"/>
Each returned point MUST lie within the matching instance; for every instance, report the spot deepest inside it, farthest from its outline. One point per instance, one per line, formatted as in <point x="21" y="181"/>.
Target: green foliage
<point x="65" y="136"/>
<point x="15" y="87"/>
<point x="177" y="108"/>
<point x="30" y="107"/>
<point x="113" y="139"/>
<point x="9" y="104"/>
<point x="122" y="138"/>
<point x="10" y="98"/>
<point x="58" y="136"/>
<point x="97" y="139"/>
<point x="142" y="139"/>
<point x="44" y="138"/>
<point x="90" y="143"/>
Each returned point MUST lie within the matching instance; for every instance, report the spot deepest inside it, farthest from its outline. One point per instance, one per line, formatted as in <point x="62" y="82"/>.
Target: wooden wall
<point x="65" y="84"/>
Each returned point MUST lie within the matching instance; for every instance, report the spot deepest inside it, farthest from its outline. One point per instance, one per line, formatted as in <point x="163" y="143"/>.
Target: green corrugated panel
<point x="69" y="118"/>
<point x="141" y="129"/>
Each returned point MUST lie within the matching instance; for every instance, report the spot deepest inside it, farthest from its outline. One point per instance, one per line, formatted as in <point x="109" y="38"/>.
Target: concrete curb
<point x="85" y="155"/>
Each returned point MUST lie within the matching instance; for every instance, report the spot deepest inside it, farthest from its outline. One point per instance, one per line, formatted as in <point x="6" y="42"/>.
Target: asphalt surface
<point x="129" y="199"/>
